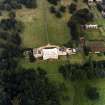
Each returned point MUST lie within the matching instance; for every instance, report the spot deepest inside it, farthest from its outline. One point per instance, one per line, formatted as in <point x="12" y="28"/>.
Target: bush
<point x="52" y="9"/>
<point x="72" y="8"/>
<point x="58" y="14"/>
<point x="63" y="9"/>
<point x="99" y="7"/>
<point x="92" y="93"/>
<point x="54" y="2"/>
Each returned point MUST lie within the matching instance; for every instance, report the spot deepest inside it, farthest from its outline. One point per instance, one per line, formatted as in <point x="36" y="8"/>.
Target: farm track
<point x="45" y="17"/>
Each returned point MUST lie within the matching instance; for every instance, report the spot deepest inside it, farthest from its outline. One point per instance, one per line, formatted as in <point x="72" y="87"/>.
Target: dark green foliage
<point x="57" y="11"/>
<point x="17" y="4"/>
<point x="99" y="7"/>
<point x="75" y="0"/>
<point x="75" y="30"/>
<point x="33" y="87"/>
<point x="54" y="2"/>
<point x="10" y="50"/>
<point x="89" y="70"/>
<point x="58" y="14"/>
<point x="52" y="9"/>
<point x="92" y="93"/>
<point x="72" y="8"/>
<point x="82" y="16"/>
<point x="62" y="9"/>
<point x="86" y="50"/>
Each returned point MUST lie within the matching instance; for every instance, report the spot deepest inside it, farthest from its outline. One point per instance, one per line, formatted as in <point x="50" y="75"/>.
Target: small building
<point x="91" y="26"/>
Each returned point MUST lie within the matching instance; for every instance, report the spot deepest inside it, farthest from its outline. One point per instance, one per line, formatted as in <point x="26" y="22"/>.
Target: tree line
<point x="89" y="70"/>
<point x="17" y="4"/>
<point x="28" y="87"/>
<point x="80" y="17"/>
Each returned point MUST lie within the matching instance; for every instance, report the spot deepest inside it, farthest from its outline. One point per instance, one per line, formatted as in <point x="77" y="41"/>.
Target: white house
<point x="52" y="52"/>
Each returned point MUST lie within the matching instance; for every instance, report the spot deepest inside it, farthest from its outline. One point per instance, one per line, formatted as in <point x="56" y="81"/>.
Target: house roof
<point x="50" y="53"/>
<point x="96" y="46"/>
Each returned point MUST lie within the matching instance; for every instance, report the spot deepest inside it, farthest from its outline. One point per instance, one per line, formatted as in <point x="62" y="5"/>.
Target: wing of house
<point x="50" y="53"/>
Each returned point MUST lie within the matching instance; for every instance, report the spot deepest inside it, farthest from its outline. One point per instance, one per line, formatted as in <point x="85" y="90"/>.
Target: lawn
<point x="42" y="27"/>
<point x="52" y="66"/>
<point x="80" y="96"/>
<point x="93" y="35"/>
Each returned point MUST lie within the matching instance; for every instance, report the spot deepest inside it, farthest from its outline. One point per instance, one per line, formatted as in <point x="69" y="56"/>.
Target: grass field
<point x="93" y="35"/>
<point x="80" y="97"/>
<point x="42" y="27"/>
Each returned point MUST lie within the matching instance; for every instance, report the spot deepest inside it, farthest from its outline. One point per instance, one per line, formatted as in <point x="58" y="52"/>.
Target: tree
<point x="17" y="4"/>
<point x="81" y="16"/>
<point x="32" y="87"/>
<point x="58" y="14"/>
<point x="53" y="9"/>
<point x="72" y="8"/>
<point x="99" y="7"/>
<point x="54" y="2"/>
<point x="62" y="9"/>
<point x="92" y="93"/>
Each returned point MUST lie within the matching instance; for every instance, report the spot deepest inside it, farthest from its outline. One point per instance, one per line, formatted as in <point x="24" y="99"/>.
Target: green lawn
<point x="93" y="35"/>
<point x="35" y="33"/>
<point x="80" y="96"/>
